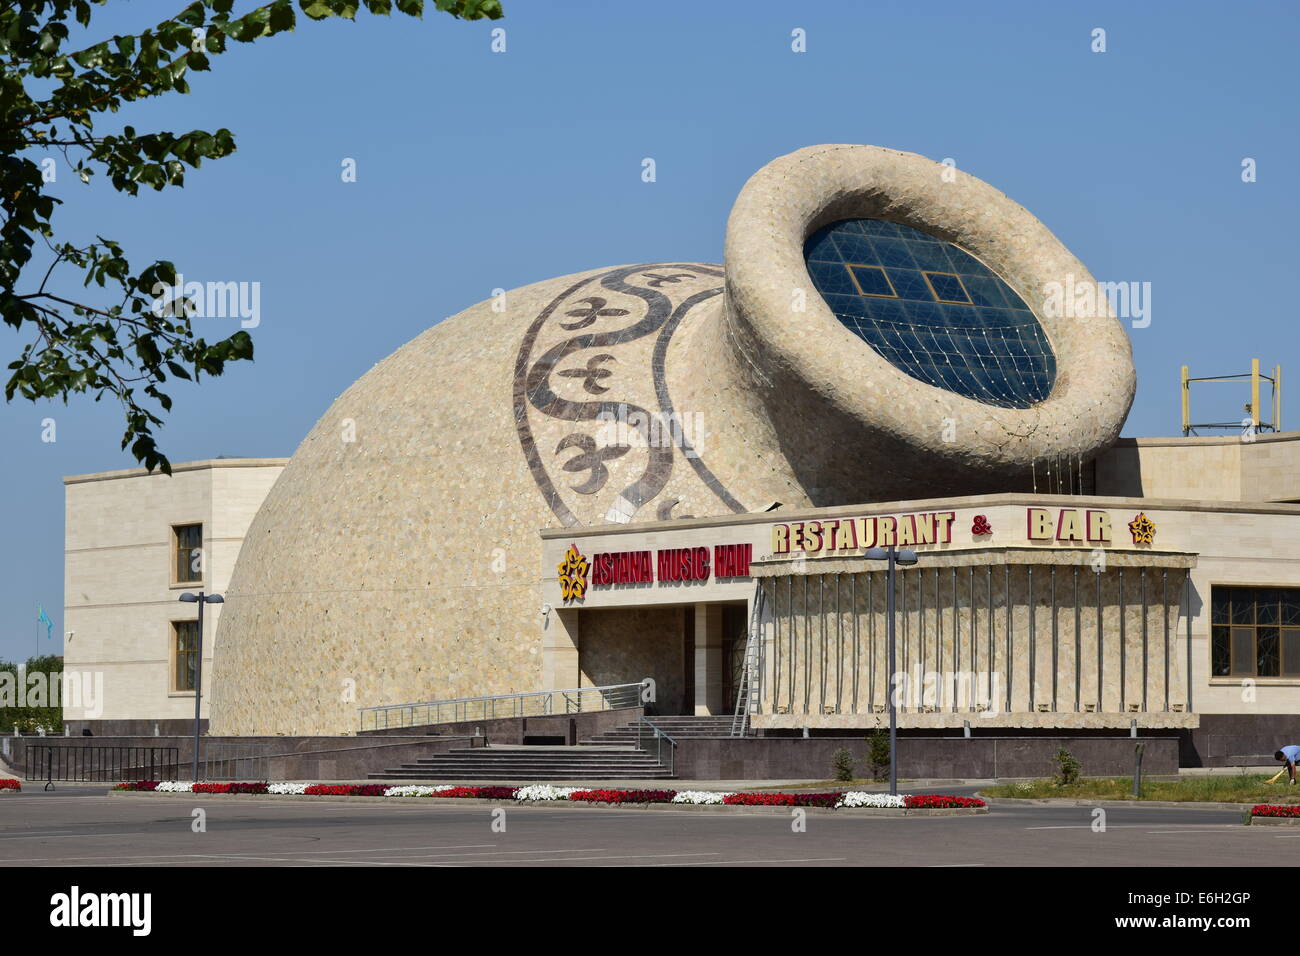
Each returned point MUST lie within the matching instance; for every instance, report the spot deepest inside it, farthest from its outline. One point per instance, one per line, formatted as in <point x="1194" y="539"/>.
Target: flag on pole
<point x="43" y="618"/>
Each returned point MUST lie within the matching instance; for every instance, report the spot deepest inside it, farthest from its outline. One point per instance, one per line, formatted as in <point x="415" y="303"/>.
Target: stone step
<point x="442" y="777"/>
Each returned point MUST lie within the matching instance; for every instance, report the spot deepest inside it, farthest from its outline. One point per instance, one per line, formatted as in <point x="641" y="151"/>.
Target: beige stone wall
<point x="1203" y="469"/>
<point x="623" y="646"/>
<point x="119" y="593"/>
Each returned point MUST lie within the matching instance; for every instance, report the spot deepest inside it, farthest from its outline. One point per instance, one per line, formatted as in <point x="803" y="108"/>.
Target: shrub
<point x="1067" y="768"/>
<point x="842" y="767"/>
<point x="10" y="784"/>
<point x="878" y="753"/>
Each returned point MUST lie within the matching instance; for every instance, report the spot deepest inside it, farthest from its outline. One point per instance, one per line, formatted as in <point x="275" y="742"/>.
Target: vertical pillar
<point x="560" y="645"/>
<point x="708" y="660"/>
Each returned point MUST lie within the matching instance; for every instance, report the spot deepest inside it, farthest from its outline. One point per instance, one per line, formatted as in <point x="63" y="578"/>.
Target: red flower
<point x="481" y="793"/>
<point x="624" y="796"/>
<point x="9" y="784"/>
<point x="1272" y="810"/>
<point x="934" y="801"/>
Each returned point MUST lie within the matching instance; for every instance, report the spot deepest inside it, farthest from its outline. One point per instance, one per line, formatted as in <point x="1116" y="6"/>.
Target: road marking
<point x="164" y="856"/>
<point x="811" y="859"/>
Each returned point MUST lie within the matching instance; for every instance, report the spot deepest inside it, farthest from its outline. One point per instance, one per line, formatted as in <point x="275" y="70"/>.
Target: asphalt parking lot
<point x="82" y="826"/>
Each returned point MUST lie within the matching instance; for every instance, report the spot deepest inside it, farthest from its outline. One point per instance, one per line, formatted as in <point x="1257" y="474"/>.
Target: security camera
<point x="546" y="609"/>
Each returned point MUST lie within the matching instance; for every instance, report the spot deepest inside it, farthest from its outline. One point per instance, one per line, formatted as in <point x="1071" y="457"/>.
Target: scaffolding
<point x="1252" y="422"/>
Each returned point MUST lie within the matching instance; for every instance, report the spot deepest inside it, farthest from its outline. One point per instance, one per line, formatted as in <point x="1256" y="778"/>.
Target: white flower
<point x="544" y="791"/>
<point x="298" y="789"/>
<point x="699" y="796"/>
<point x="415" y="790"/>
<point x="858" y="798"/>
<point x="174" y="786"/>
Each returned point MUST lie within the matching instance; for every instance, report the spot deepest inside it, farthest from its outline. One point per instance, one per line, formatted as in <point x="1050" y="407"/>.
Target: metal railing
<point x="91" y="763"/>
<point x="648" y="733"/>
<point x="234" y="760"/>
<point x="543" y="703"/>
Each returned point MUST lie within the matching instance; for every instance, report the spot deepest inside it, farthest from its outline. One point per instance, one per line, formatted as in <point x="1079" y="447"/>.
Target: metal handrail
<point x="541" y="703"/>
<point x="659" y="750"/>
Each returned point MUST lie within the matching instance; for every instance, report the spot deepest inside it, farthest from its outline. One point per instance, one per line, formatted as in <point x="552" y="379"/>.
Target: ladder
<point x="750" y="691"/>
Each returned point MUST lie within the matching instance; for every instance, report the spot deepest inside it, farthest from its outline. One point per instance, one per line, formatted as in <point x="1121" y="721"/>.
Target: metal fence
<point x="577" y="700"/>
<point x="228" y="760"/>
<point x="93" y="763"/>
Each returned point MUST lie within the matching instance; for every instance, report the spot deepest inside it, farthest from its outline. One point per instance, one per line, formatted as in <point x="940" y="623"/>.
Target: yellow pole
<point x="1254" y="394"/>
<point x="1187" y="410"/>
<point x="1277" y="398"/>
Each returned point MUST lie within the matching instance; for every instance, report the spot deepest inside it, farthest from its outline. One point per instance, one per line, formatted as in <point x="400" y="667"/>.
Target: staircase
<point x="675" y="727"/>
<point x="612" y="755"/>
<point x="528" y="764"/>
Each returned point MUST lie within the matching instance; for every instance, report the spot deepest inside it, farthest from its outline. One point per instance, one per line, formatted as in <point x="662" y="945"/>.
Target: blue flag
<point x="43" y="618"/>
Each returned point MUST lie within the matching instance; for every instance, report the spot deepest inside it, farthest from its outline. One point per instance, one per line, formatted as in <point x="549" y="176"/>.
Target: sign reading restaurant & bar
<point x="1082" y="526"/>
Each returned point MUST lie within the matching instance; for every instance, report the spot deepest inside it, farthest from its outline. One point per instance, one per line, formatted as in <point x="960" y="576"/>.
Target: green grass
<point x="1237" y="788"/>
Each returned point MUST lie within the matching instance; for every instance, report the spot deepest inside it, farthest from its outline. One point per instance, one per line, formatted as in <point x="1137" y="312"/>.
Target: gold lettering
<point x="885" y="528"/>
<point x="780" y="538"/>
<point x="1040" y="524"/>
<point x="925" y="529"/>
<point x="1069" y="527"/>
<point x="1099" y="526"/>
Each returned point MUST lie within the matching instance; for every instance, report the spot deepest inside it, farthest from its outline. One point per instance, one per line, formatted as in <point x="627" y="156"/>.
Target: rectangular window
<point x="1245" y="637"/>
<point x="185" y="641"/>
<point x="188" y="553"/>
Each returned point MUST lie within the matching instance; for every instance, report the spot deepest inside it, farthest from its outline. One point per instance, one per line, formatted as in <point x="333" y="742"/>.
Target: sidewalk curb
<point x="1064" y="802"/>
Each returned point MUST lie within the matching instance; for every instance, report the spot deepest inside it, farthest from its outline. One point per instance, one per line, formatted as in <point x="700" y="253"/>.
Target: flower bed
<point x="545" y="793"/>
<point x="1272" y="810"/>
<point x="10" y="784"/>
<point x="624" y="796"/>
<point x="934" y="801"/>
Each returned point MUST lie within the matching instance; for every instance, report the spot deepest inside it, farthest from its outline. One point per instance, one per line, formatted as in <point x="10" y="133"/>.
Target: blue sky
<point x="478" y="170"/>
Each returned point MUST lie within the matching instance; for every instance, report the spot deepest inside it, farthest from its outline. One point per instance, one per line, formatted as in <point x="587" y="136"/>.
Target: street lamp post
<point x="895" y="557"/>
<point x="200" y="599"/>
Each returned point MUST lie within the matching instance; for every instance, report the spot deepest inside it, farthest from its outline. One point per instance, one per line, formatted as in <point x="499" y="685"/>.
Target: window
<point x="185" y="644"/>
<point x="932" y="310"/>
<point x="872" y="280"/>
<point x="947" y="288"/>
<point x="1255" y="632"/>
<point x="188" y="553"/>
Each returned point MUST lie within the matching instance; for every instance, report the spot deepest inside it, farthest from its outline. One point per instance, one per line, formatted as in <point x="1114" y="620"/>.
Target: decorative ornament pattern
<point x="573" y="575"/>
<point x="1142" y="528"/>
<point x="592" y="407"/>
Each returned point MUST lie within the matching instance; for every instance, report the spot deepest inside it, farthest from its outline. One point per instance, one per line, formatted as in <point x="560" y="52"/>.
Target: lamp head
<point x="906" y="556"/>
<point x="189" y="598"/>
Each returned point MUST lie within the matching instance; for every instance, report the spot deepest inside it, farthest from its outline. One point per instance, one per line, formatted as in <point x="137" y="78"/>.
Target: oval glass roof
<point x="932" y="310"/>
